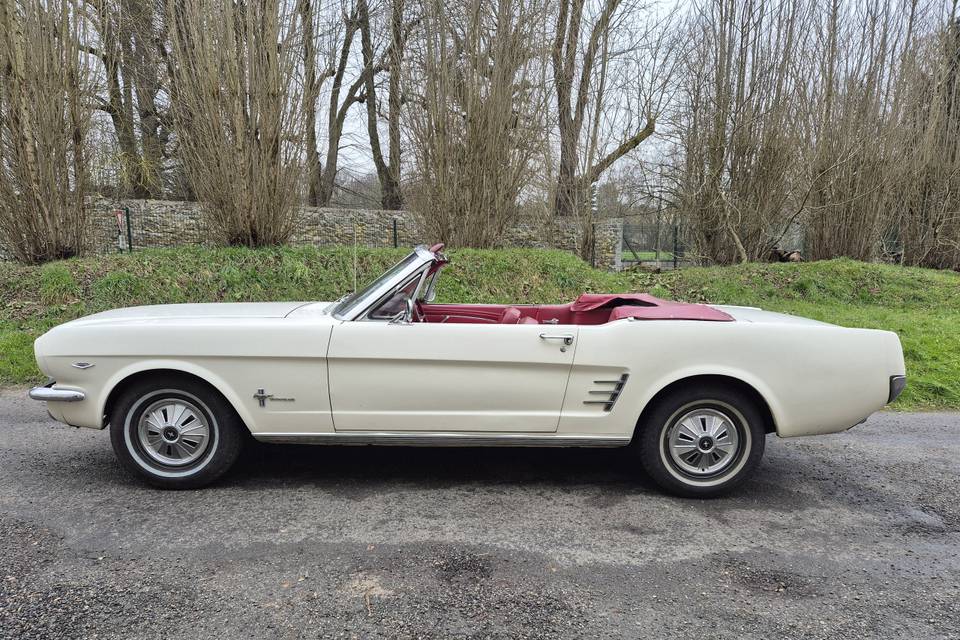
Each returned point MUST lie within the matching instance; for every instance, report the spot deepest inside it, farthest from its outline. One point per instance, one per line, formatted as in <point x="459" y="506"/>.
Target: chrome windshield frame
<point x="360" y="307"/>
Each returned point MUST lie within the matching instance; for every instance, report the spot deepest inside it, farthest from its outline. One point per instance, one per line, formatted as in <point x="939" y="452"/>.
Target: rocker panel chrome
<point x="394" y="439"/>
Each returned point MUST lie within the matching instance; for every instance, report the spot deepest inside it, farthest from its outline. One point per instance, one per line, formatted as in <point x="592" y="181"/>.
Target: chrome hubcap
<point x="703" y="442"/>
<point x="173" y="432"/>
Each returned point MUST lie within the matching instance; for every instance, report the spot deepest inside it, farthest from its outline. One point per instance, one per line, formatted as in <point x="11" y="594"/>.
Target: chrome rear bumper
<point x="48" y="393"/>
<point x="897" y="385"/>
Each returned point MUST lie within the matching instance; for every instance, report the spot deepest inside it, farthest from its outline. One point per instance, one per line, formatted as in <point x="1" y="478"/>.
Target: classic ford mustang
<point x="693" y="389"/>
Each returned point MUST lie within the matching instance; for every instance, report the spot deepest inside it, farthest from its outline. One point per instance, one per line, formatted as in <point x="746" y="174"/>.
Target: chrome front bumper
<point x="48" y="393"/>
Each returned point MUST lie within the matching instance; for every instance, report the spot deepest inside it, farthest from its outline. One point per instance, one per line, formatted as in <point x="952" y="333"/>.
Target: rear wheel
<point x="702" y="441"/>
<point x="175" y="433"/>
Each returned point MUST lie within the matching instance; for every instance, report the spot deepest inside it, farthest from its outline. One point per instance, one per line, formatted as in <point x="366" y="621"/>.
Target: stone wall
<point x="160" y="223"/>
<point x="153" y="223"/>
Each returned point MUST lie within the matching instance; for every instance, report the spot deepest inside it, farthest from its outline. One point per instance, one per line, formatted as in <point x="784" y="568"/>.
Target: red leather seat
<point x="510" y="315"/>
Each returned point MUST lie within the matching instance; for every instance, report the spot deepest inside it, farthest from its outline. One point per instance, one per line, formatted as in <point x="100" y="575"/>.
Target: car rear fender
<point x="715" y="371"/>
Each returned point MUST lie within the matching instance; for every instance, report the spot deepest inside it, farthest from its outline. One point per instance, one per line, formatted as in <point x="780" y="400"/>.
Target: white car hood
<point x="206" y="310"/>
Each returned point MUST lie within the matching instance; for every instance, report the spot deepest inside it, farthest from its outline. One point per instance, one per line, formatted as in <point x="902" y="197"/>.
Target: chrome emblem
<point x="262" y="396"/>
<point x="82" y="365"/>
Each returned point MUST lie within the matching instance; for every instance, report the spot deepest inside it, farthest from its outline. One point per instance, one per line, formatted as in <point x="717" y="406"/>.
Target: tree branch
<point x="625" y="147"/>
<point x="599" y="27"/>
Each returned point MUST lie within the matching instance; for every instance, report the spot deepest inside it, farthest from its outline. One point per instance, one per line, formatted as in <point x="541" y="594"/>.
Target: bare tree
<point x="855" y="146"/>
<point x="126" y="44"/>
<point x="611" y="69"/>
<point x="313" y="81"/>
<point x="329" y="33"/>
<point x="238" y="95"/>
<point x="478" y="115"/>
<point x="738" y="126"/>
<point x="756" y="123"/>
<point x="829" y="123"/>
<point x="45" y="82"/>
<point x="925" y="192"/>
<point x="388" y="172"/>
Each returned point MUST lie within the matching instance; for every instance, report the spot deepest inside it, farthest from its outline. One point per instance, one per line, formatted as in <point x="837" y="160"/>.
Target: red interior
<point x="589" y="308"/>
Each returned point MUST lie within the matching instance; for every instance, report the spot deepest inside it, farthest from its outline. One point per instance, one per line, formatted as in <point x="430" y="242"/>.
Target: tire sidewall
<point x="135" y="448"/>
<point x="656" y="424"/>
<point x="742" y="454"/>
<point x="226" y="428"/>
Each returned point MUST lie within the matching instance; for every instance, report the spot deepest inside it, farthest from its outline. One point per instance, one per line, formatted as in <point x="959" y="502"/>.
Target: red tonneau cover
<point x="590" y="308"/>
<point x="643" y="306"/>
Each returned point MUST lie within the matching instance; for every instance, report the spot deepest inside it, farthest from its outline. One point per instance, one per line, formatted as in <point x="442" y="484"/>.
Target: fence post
<point x="116" y="219"/>
<point x="126" y="212"/>
<point x="676" y="244"/>
<point x="657" y="247"/>
<point x="396" y="242"/>
<point x="593" y="244"/>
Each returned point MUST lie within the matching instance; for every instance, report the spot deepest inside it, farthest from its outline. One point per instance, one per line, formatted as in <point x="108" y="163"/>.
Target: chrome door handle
<point x="567" y="338"/>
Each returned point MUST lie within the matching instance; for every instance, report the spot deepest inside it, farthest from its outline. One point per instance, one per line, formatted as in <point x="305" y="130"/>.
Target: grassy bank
<point x="923" y="306"/>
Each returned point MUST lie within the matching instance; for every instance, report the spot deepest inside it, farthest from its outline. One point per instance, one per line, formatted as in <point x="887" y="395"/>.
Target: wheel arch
<point x="122" y="381"/>
<point x="730" y="381"/>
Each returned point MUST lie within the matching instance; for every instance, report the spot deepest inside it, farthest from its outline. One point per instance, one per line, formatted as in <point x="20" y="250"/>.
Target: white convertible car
<point x="694" y="389"/>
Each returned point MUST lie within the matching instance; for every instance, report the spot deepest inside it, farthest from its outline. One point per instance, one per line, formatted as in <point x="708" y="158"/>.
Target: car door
<point x="424" y="376"/>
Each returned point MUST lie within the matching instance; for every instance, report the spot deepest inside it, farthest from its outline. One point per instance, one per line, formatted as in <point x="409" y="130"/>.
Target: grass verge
<point x="922" y="305"/>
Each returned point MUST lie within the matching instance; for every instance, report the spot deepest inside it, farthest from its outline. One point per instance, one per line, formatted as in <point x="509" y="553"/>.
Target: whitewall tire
<point x="175" y="433"/>
<point x="701" y="440"/>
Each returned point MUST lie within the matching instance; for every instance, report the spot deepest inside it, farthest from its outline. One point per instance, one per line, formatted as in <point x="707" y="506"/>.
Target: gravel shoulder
<point x="846" y="536"/>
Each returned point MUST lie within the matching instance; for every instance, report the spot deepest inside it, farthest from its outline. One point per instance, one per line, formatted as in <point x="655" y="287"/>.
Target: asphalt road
<point x="846" y="536"/>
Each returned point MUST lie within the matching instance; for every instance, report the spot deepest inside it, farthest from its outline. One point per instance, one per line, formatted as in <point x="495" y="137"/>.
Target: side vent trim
<point x="612" y="393"/>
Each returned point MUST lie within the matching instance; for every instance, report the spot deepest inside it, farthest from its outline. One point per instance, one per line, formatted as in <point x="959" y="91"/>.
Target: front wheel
<point x="175" y="433"/>
<point x="702" y="441"/>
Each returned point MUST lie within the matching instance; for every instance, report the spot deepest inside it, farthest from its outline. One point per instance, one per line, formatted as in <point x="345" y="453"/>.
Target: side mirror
<point x="405" y="316"/>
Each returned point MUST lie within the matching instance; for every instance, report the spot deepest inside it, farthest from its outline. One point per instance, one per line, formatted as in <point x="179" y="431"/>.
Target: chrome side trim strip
<point x="48" y="394"/>
<point x="433" y="439"/>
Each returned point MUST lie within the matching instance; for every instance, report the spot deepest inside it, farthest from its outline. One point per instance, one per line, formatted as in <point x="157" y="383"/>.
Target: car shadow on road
<point x="440" y="466"/>
<point x="616" y="473"/>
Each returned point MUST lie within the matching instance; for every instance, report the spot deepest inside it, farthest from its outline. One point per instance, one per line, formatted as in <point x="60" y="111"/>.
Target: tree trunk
<point x="391" y="197"/>
<point x="575" y="92"/>
<point x="311" y="94"/>
<point x="388" y="175"/>
<point x="337" y="113"/>
<point x="146" y="86"/>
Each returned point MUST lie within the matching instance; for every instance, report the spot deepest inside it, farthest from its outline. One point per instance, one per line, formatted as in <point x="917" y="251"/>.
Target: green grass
<point x="647" y="256"/>
<point x="922" y="305"/>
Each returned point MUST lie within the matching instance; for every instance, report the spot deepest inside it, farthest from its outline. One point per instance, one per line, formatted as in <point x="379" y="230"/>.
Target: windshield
<point x="355" y="298"/>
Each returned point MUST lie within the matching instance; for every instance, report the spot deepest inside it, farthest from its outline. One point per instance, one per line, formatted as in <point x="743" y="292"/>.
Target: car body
<point x="389" y="366"/>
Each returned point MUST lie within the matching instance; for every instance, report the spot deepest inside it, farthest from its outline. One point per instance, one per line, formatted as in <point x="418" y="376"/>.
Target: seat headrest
<point x="511" y="315"/>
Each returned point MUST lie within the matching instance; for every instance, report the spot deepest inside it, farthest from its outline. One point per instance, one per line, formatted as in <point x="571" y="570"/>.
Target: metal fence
<point x="170" y="224"/>
<point x="655" y="245"/>
<point x="124" y="226"/>
<point x="121" y="226"/>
